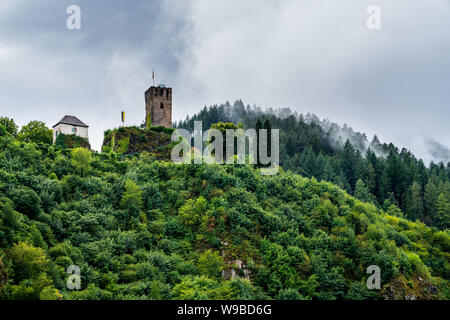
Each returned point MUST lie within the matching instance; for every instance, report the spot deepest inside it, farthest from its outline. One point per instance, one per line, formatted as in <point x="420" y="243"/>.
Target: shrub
<point x="26" y="201"/>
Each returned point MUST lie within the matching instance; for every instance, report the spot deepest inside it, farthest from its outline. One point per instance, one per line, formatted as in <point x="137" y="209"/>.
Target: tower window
<point x="161" y="106"/>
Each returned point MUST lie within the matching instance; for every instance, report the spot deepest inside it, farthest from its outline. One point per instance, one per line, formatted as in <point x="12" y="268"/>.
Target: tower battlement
<point x="159" y="91"/>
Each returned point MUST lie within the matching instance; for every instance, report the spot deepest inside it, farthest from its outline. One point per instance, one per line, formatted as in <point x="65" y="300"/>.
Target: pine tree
<point x="375" y="144"/>
<point x="349" y="163"/>
<point x="320" y="166"/>
<point x="371" y="157"/>
<point x="430" y="199"/>
<point x="384" y="185"/>
<point x="328" y="171"/>
<point x="415" y="203"/>
<point x="443" y="212"/>
<point x="361" y="192"/>
<point x="310" y="163"/>
<point x="397" y="176"/>
<point x="371" y="178"/>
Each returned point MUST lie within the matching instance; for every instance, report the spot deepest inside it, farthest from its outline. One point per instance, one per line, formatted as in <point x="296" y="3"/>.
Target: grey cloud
<point x="438" y="151"/>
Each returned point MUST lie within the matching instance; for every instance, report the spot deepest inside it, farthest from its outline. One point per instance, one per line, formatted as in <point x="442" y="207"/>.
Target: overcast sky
<point x="311" y="56"/>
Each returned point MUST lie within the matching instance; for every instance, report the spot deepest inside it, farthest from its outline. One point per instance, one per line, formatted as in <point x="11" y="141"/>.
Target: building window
<point x="161" y="106"/>
<point x="74" y="130"/>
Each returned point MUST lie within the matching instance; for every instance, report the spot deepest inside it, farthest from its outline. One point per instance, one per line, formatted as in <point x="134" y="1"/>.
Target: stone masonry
<point x="158" y="107"/>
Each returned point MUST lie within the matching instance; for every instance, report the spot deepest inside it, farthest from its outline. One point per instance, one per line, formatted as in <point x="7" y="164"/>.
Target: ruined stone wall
<point x="158" y="107"/>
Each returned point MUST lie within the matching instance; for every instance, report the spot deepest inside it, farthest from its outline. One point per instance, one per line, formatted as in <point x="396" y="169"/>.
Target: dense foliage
<point x="71" y="141"/>
<point x="147" y="229"/>
<point x="36" y="131"/>
<point x="133" y="140"/>
<point x="373" y="172"/>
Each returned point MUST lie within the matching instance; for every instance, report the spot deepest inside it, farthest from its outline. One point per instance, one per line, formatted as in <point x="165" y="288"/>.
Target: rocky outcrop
<point x="237" y="269"/>
<point x="415" y="288"/>
<point x="132" y="140"/>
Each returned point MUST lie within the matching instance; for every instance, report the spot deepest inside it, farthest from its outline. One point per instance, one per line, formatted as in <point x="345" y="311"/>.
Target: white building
<point x="70" y="125"/>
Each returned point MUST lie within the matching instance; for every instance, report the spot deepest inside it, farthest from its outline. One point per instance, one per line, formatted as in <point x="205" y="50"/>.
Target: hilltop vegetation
<point x="373" y="172"/>
<point x="71" y="141"/>
<point x="133" y="140"/>
<point x="148" y="229"/>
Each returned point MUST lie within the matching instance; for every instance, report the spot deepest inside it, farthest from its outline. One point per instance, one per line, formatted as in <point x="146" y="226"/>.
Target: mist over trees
<point x="324" y="150"/>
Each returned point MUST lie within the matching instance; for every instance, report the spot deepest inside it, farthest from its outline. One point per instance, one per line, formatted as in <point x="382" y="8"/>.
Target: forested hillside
<point x="372" y="171"/>
<point x="148" y="229"/>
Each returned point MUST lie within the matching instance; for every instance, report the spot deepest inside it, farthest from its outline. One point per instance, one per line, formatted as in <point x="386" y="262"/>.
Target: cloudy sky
<point x="312" y="56"/>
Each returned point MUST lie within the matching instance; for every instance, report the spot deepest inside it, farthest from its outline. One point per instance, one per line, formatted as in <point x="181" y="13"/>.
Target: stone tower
<point x="158" y="107"/>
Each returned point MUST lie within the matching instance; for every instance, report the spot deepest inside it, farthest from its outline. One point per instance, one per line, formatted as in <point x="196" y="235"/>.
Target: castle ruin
<point x="158" y="107"/>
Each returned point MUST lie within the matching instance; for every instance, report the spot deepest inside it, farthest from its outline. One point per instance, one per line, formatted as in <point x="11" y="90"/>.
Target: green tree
<point x="50" y="293"/>
<point x="193" y="211"/>
<point x="430" y="199"/>
<point x="415" y="202"/>
<point x="81" y="160"/>
<point x="384" y="185"/>
<point x="211" y="264"/>
<point x="155" y="292"/>
<point x="3" y="131"/>
<point x="37" y="132"/>
<point x="371" y="178"/>
<point x="361" y="192"/>
<point x="202" y="288"/>
<point x="393" y="210"/>
<point x="443" y="211"/>
<point x="9" y="222"/>
<point x="9" y="125"/>
<point x="309" y="163"/>
<point x="349" y="163"/>
<point x="132" y="197"/>
<point x="289" y="294"/>
<point x="26" y="201"/>
<point x="398" y="177"/>
<point x="328" y="171"/>
<point x="28" y="261"/>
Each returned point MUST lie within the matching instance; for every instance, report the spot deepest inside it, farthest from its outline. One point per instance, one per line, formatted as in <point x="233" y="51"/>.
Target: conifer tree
<point x="415" y="203"/>
<point x="371" y="178"/>
<point x="430" y="199"/>
<point x="349" y="163"/>
<point x="361" y="192"/>
<point x="443" y="212"/>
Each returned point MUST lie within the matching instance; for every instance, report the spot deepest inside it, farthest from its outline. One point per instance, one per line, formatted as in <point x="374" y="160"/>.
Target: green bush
<point x="26" y="201"/>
